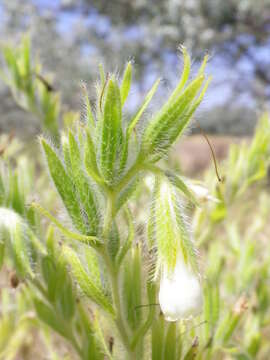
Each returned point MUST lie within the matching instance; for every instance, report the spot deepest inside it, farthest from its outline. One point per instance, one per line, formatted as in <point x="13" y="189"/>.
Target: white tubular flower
<point x="180" y="294"/>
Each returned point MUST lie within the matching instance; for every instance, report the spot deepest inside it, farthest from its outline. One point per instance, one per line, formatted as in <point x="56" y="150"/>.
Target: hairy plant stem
<point x="135" y="168"/>
<point x="114" y="277"/>
<point x="113" y="270"/>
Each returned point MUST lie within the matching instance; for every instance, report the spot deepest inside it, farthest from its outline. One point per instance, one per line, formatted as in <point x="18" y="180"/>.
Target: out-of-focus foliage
<point x="31" y="90"/>
<point x="233" y="235"/>
<point x="16" y="322"/>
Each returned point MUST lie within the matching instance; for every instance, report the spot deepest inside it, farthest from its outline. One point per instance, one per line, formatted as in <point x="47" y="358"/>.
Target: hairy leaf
<point x="83" y="187"/>
<point x="111" y="131"/>
<point x="64" y="186"/>
<point x="85" y="282"/>
<point x="126" y="83"/>
<point x="164" y="129"/>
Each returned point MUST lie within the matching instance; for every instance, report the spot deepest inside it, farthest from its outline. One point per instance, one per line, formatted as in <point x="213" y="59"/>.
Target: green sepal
<point x="172" y="235"/>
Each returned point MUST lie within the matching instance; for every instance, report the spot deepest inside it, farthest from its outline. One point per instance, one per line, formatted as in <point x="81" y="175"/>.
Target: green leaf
<point x="48" y="272"/>
<point x="59" y="286"/>
<point x="128" y="242"/>
<point x="185" y="74"/>
<point x="27" y="69"/>
<point x="90" y="348"/>
<point x="90" y="117"/>
<point x="227" y="326"/>
<point x="210" y="308"/>
<point x="111" y="131"/>
<point x="16" y="196"/>
<point x="143" y="107"/>
<point x="90" y="161"/>
<point x="64" y="186"/>
<point x="126" y="82"/>
<point x="92" y="261"/>
<point x="10" y="59"/>
<point x="167" y="125"/>
<point x="85" y="282"/>
<point x="82" y="185"/>
<point x="86" y="239"/>
<point x="134" y="122"/>
<point x="100" y="336"/>
<point x="151" y="225"/>
<point x="65" y="151"/>
<point x="48" y="316"/>
<point x="50" y="109"/>
<point x="65" y="294"/>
